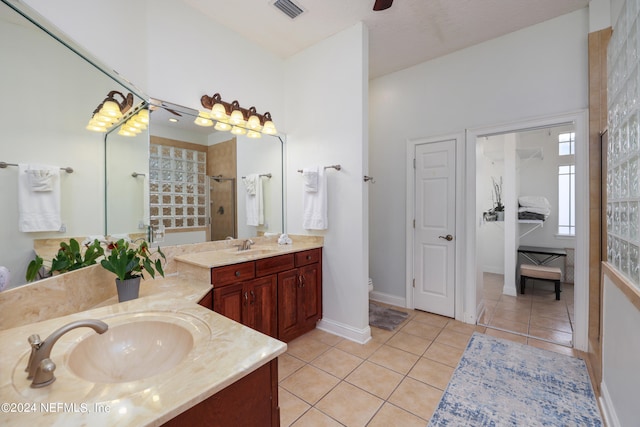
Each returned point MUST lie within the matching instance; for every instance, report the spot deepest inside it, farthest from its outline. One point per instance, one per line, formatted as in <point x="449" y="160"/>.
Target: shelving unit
<point x="537" y="223"/>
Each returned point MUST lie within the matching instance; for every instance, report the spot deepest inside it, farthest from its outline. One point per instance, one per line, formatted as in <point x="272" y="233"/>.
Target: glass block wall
<point x="623" y="156"/>
<point x="177" y="187"/>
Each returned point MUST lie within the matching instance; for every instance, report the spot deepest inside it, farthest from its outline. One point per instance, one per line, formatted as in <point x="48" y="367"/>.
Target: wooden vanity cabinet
<point x="251" y="401"/>
<point x="300" y="296"/>
<point x="279" y="296"/>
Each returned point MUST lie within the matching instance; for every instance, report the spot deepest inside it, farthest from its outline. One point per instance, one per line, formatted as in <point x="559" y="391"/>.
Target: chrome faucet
<point x="40" y="367"/>
<point x="245" y="245"/>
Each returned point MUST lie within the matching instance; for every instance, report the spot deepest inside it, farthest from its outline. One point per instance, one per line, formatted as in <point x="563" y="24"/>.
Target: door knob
<point x="448" y="237"/>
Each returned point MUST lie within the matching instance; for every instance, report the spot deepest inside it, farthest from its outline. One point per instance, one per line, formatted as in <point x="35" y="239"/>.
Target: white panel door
<point x="434" y="242"/>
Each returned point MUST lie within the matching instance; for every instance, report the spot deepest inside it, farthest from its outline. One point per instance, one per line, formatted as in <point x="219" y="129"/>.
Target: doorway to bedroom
<point x="526" y="205"/>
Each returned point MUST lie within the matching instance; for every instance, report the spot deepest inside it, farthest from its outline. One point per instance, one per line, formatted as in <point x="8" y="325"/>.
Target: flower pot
<point x="128" y="289"/>
<point x="500" y="216"/>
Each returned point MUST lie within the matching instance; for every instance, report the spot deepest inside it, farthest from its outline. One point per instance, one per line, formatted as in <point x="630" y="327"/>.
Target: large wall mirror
<point x="197" y="186"/>
<point x="50" y="88"/>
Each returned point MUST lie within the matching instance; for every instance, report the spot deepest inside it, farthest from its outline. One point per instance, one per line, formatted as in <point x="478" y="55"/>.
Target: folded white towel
<point x="534" y="201"/>
<point x="314" y="215"/>
<point x="41" y="179"/>
<point x="532" y="209"/>
<point x="250" y="182"/>
<point x="38" y="210"/>
<point x="254" y="202"/>
<point x="310" y="176"/>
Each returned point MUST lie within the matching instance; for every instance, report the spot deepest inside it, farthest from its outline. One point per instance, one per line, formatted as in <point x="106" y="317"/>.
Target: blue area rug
<point x="502" y="383"/>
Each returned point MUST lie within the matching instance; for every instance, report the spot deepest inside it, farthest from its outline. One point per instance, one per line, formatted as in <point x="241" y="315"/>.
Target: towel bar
<point x="5" y="164"/>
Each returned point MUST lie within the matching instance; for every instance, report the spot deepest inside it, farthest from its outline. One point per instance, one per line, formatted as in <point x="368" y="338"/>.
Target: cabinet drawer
<point x="234" y="273"/>
<point x="308" y="257"/>
<point x="274" y="264"/>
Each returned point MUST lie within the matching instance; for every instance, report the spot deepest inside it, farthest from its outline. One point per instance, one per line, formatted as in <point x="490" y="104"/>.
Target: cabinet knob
<point x="246" y="298"/>
<point x="237" y="274"/>
<point x="253" y="297"/>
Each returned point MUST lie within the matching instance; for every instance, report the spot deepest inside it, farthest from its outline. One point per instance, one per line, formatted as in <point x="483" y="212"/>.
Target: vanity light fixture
<point x="239" y="120"/>
<point x="110" y="111"/>
<point x="135" y="123"/>
<point x="203" y="119"/>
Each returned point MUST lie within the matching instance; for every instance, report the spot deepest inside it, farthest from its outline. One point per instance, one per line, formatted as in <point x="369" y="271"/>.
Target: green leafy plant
<point x="70" y="257"/>
<point x="128" y="261"/>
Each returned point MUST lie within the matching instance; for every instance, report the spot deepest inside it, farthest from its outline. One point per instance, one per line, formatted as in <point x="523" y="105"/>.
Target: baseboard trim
<point x="361" y="336"/>
<point x="608" y="411"/>
<point x="388" y="299"/>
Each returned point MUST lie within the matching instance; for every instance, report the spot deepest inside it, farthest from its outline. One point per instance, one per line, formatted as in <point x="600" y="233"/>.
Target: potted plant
<point x="70" y="257"/>
<point x="498" y="207"/>
<point x="128" y="262"/>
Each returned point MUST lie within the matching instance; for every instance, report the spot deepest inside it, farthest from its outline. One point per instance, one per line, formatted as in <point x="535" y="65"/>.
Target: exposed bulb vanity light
<point x="110" y="111"/>
<point x="240" y="121"/>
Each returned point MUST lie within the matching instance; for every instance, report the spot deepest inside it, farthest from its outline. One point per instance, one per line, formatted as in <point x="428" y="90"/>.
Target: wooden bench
<point x="540" y="272"/>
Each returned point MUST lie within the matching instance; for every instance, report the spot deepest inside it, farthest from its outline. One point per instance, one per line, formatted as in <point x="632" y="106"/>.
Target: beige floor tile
<point x="506" y="335"/>
<point x="395" y="359"/>
<point x="287" y="365"/>
<point x="392" y="416"/>
<point x="551" y="323"/>
<point x="431" y="319"/>
<point x="416" y="397"/>
<point x="291" y="407"/>
<point x="306" y="348"/>
<point x="325" y="337"/>
<point x="411" y="343"/>
<point x="551" y="335"/>
<point x="309" y="383"/>
<point x="361" y="350"/>
<point x="375" y="379"/>
<point x="454" y="339"/>
<point x="337" y="362"/>
<point x="552" y="347"/>
<point x="509" y="325"/>
<point x="381" y="335"/>
<point x="315" y="418"/>
<point x="461" y="328"/>
<point x="431" y="372"/>
<point x="349" y="405"/>
<point x="444" y="354"/>
<point x="421" y="329"/>
<point x="513" y="316"/>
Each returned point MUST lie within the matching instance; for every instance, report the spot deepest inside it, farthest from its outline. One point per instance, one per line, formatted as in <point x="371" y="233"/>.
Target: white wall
<point x="500" y="81"/>
<point x="620" y="356"/>
<point x="326" y="95"/>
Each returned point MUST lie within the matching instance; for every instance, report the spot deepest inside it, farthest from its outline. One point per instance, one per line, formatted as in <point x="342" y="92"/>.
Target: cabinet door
<point x="230" y="301"/>
<point x="288" y="307"/>
<point x="311" y="295"/>
<point x="261" y="308"/>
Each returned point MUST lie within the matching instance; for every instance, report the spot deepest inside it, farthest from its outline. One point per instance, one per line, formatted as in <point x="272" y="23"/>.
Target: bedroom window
<point x="566" y="184"/>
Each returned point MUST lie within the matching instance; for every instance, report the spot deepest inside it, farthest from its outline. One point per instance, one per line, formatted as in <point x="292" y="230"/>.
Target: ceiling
<point x="410" y="32"/>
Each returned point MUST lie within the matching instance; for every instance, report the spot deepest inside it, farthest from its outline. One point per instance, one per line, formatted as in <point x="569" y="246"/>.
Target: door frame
<point x="460" y="234"/>
<point x="581" y="273"/>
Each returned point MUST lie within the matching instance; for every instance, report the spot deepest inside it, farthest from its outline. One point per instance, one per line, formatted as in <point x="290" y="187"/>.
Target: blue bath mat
<point x="503" y="383"/>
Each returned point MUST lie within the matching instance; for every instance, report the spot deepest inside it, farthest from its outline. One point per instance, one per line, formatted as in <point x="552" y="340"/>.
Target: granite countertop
<point x="221" y="257"/>
<point x="224" y="351"/>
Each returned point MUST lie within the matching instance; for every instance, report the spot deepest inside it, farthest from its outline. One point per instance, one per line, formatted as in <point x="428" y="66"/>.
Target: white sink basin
<point x="130" y="352"/>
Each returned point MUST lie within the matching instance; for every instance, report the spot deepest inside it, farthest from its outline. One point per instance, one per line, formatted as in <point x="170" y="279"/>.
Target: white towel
<point x="314" y="215"/>
<point x="534" y="201"/>
<point x="541" y="211"/>
<point x="38" y="209"/>
<point x="250" y="182"/>
<point x="310" y="176"/>
<point x="254" y="202"/>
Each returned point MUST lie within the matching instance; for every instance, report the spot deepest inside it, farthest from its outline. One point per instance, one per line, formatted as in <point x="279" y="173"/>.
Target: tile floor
<point x="396" y="379"/>
<point x="535" y="314"/>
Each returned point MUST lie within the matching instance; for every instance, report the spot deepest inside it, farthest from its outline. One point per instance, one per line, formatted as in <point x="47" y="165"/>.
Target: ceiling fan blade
<point x="382" y="4"/>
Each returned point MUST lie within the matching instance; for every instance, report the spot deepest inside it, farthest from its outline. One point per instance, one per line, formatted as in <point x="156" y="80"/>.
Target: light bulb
<point x="238" y="130"/>
<point x="237" y="118"/>
<point x="218" y="112"/>
<point x="254" y="123"/>
<point x="254" y="134"/>
<point x="269" y="128"/>
<point x="221" y="126"/>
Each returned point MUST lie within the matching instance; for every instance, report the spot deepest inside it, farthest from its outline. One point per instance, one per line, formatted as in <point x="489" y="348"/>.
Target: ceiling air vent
<point x="289" y="8"/>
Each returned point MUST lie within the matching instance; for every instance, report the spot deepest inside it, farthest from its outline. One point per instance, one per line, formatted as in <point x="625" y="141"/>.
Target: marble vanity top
<point x="224" y="352"/>
<point x="227" y="256"/>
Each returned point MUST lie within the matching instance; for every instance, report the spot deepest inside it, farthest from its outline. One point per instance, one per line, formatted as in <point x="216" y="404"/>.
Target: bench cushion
<point x="540" y="272"/>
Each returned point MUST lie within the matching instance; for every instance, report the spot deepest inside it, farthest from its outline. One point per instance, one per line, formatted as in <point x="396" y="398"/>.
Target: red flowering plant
<point x="128" y="260"/>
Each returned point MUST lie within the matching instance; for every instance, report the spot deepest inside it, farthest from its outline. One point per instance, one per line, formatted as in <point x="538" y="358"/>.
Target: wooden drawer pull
<point x="237" y="274"/>
<point x="308" y="257"/>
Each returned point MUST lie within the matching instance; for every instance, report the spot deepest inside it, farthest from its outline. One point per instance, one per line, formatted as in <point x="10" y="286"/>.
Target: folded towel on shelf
<point x="310" y="176"/>
<point x="534" y="202"/>
<point x="254" y="200"/>
<point x="314" y="214"/>
<point x="530" y="209"/>
<point x="532" y="216"/>
<point x="38" y="199"/>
